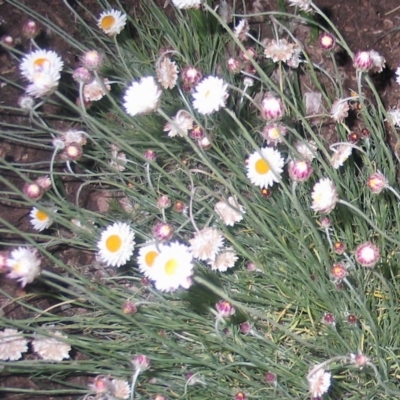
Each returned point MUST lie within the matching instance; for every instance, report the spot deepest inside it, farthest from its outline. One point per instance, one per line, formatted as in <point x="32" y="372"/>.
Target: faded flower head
<point x="367" y="254"/>
<point x="319" y="381"/>
<point x="306" y="149"/>
<point x="340" y="110"/>
<point x="324" y="196"/>
<point x="167" y="73"/>
<point x="303" y="5"/>
<point x="51" y="348"/>
<point x="279" y="50"/>
<point x="180" y="125"/>
<point x="273" y="133"/>
<point x="142" y="97"/>
<point x="206" y="244"/>
<point x="377" y="182"/>
<point x="338" y="272"/>
<point x="230" y="211"/>
<point x="95" y="91"/>
<point x="92" y="60"/>
<point x="224" y="260"/>
<point x="241" y="29"/>
<point x="340" y="154"/>
<point x="12" y="345"/>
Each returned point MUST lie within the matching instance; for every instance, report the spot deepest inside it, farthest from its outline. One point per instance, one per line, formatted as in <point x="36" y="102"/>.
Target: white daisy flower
<point x="230" y="211"/>
<point x="12" y="345"/>
<point x="340" y="155"/>
<point x="23" y="264"/>
<point x="50" y="348"/>
<point x="116" y="244"/>
<point x="264" y="167"/>
<point x="147" y="256"/>
<point x="206" y="243"/>
<point x="41" y="62"/>
<point x="210" y="95"/>
<point x="324" y="196"/>
<point x="224" y="260"/>
<point x="318" y="381"/>
<point x="94" y="91"/>
<point x="40" y="219"/>
<point x="142" y="97"/>
<point x="167" y="73"/>
<point x="180" y="125"/>
<point x="182" y="4"/>
<point x="112" y="22"/>
<point x="173" y="267"/>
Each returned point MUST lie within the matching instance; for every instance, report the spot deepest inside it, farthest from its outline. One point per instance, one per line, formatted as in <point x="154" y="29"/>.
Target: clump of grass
<point x="285" y="313"/>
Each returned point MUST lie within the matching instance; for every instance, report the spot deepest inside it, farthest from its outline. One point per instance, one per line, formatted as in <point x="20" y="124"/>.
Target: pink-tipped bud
<point x="33" y="190"/>
<point x="272" y="107"/>
<point x="100" y="385"/>
<point x="363" y="61"/>
<point x="224" y="309"/>
<point x="179" y="206"/>
<point x="300" y="170"/>
<point x="204" y="143"/>
<point x="92" y="60"/>
<point x="245" y="328"/>
<point x="150" y="155"/>
<point x="240" y="396"/>
<point x="352" y="319"/>
<point x="163" y="231"/>
<point x="339" y="248"/>
<point x="8" y="40"/>
<point x="327" y="41"/>
<point x="197" y="133"/>
<point x="163" y="202"/>
<point x="129" y="308"/>
<point x="190" y="76"/>
<point x="250" y="52"/>
<point x="141" y="362"/>
<point x="234" y="65"/>
<point x="82" y="75"/>
<point x="271" y="378"/>
<point x="266" y="193"/>
<point x="329" y="319"/>
<point x="353" y="137"/>
<point x="338" y="271"/>
<point x="325" y="222"/>
<point x="44" y="182"/>
<point x="31" y="29"/>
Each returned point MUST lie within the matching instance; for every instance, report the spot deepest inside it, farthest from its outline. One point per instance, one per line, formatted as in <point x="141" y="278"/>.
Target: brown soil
<point x="365" y="24"/>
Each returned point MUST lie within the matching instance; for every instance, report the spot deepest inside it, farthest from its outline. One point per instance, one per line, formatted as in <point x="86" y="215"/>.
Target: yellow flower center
<point x="40" y="63"/>
<point x="113" y="243"/>
<point x="150" y="257"/>
<point x="18" y="267"/>
<point x="171" y="266"/>
<point x="41" y="215"/>
<point x="274" y="133"/>
<point x="107" y="22"/>
<point x="262" y="167"/>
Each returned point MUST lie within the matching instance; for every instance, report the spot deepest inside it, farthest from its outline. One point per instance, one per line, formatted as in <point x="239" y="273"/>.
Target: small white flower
<point x="324" y="196"/>
<point x="182" y="4"/>
<point x="241" y="29"/>
<point x="41" y="62"/>
<point x="94" y="91"/>
<point x="230" y="211"/>
<point x="210" y="95"/>
<point x="304" y="5"/>
<point x="40" y="219"/>
<point x="393" y="116"/>
<point x="12" y="345"/>
<point x="116" y="244"/>
<point x="378" y="61"/>
<point x="142" y="97"/>
<point x="120" y="388"/>
<point x="206" y="243"/>
<point x="167" y="73"/>
<point x="173" y="267"/>
<point x="23" y="265"/>
<point x="264" y="167"/>
<point x="146" y="258"/>
<point x="340" y="155"/>
<point x="319" y="381"/>
<point x="224" y="260"/>
<point x="180" y="125"/>
<point x="50" y="348"/>
<point x="112" y="22"/>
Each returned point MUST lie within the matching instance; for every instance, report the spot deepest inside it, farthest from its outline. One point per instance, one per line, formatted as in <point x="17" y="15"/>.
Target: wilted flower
<point x="377" y="182"/>
<point x="230" y="211"/>
<point x="180" y="125"/>
<point x="241" y="29"/>
<point x="12" y="345"/>
<point x="340" y="155"/>
<point x="279" y="50"/>
<point x="224" y="260"/>
<point x="303" y="5"/>
<point x="324" y="196"/>
<point x="167" y="73"/>
<point x="306" y="149"/>
<point x="313" y="103"/>
<point x="94" y="91"/>
<point x="367" y="254"/>
<point x="234" y="65"/>
<point x="206" y="244"/>
<point x="50" y="348"/>
<point x="82" y="75"/>
<point x="340" y="110"/>
<point x="378" y="61"/>
<point x="319" y="381"/>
